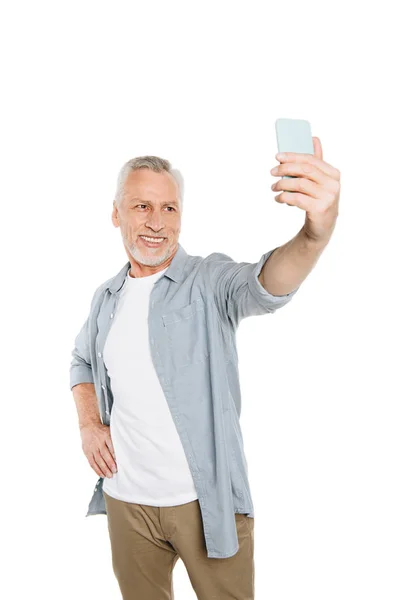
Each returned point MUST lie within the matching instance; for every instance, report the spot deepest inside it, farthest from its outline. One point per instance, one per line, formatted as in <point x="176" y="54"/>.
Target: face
<point x="149" y="207"/>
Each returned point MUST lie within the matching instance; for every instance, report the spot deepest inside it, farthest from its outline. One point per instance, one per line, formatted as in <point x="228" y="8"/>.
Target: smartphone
<point x="294" y="135"/>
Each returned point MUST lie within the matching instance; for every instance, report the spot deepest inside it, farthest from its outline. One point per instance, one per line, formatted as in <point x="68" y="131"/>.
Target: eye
<point x="139" y="205"/>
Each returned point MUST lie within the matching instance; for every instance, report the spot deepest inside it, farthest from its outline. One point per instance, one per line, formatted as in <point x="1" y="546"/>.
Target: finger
<point x="296" y="199"/>
<point x="302" y="170"/>
<point x="102" y="464"/>
<point x="297" y="157"/>
<point x="317" y="147"/>
<point x="299" y="184"/>
<point x="108" y="458"/>
<point x="95" y="466"/>
<point x="110" y="446"/>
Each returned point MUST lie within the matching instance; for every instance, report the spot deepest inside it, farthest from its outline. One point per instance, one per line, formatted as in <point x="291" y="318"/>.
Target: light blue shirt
<point x="195" y="309"/>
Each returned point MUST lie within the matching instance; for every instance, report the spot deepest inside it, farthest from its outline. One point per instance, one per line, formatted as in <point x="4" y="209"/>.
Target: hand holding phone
<point x="294" y="135"/>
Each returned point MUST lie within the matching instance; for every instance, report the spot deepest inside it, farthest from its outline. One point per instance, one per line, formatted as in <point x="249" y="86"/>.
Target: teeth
<point x="155" y="240"/>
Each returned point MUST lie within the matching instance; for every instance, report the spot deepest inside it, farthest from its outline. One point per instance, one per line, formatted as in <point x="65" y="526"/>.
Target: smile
<point x="151" y="242"/>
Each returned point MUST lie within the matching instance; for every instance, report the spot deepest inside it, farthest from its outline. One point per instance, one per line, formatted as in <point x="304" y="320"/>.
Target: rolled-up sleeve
<point x="81" y="369"/>
<point x="81" y="365"/>
<point x="266" y="299"/>
<point x="238" y="292"/>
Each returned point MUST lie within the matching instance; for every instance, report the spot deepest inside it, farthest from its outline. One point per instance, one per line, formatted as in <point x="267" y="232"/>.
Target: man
<point x="155" y="379"/>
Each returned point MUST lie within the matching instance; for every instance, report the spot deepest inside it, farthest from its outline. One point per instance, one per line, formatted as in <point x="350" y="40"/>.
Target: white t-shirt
<point x="151" y="462"/>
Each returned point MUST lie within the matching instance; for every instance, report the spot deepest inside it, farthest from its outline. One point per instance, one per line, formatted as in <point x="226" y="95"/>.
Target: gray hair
<point x="148" y="162"/>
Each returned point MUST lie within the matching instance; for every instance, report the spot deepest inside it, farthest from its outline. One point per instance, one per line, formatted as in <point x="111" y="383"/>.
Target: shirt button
<point x="99" y="354"/>
<point x="111" y="316"/>
<point x="103" y="387"/>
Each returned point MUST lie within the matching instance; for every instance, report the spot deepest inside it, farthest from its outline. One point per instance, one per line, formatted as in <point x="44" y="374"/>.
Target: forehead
<point x="146" y="181"/>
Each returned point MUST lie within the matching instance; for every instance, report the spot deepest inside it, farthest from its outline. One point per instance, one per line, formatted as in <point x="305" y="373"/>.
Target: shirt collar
<point x="174" y="271"/>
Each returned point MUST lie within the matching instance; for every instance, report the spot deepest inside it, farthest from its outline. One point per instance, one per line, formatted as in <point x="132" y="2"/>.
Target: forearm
<point x="289" y="265"/>
<point x="86" y="404"/>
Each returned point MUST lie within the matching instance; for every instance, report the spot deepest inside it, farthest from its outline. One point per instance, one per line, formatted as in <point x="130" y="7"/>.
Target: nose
<point x="154" y="221"/>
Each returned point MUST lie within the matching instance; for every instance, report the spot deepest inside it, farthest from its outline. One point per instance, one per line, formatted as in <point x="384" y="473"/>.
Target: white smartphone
<point x="294" y="135"/>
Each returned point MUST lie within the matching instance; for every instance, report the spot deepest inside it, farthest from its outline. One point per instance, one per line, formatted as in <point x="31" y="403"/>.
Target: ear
<point x="115" y="215"/>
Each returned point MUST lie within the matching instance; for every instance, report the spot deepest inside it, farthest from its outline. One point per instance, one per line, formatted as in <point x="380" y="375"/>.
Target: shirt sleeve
<point x="238" y="292"/>
<point x="81" y="366"/>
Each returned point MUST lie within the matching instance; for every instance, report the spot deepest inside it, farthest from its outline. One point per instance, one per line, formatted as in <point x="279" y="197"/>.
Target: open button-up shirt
<point x="195" y="309"/>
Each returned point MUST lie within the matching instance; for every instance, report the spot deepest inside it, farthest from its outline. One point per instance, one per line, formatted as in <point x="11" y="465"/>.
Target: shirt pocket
<point x="186" y="331"/>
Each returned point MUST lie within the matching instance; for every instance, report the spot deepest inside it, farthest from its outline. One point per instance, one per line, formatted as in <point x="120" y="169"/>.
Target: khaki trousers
<point x="146" y="542"/>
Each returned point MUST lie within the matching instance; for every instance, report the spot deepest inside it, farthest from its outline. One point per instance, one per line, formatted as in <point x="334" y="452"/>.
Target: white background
<point x="85" y="87"/>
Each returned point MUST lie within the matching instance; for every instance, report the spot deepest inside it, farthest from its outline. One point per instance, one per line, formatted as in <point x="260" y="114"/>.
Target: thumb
<point x="317" y="147"/>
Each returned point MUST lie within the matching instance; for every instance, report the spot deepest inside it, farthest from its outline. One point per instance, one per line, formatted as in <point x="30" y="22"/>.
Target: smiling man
<point x="148" y="209"/>
<point x="155" y="378"/>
